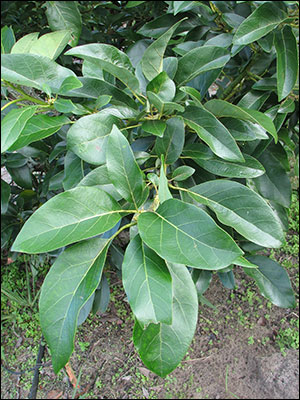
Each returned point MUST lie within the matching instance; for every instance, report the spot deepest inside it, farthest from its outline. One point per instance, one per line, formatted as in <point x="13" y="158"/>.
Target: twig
<point x="35" y="381"/>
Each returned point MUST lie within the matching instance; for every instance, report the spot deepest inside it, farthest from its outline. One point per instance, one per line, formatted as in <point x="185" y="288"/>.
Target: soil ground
<point x="236" y="352"/>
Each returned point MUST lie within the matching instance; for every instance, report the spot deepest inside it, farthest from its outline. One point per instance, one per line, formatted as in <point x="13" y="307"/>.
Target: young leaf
<point x="201" y="59"/>
<point x="212" y="132"/>
<point x="182" y="173"/>
<point x="155" y="127"/>
<point x="152" y="60"/>
<point x="287" y="61"/>
<point x="241" y="208"/>
<point x="272" y="280"/>
<point x="64" y="15"/>
<point x="68" y="285"/>
<point x="176" y="227"/>
<point x="163" y="189"/>
<point x="51" y="44"/>
<point x="123" y="169"/>
<point x="147" y="283"/>
<point x="163" y="86"/>
<point x="262" y="21"/>
<point x="66" y="219"/>
<point x="171" y="144"/>
<point x="161" y="346"/>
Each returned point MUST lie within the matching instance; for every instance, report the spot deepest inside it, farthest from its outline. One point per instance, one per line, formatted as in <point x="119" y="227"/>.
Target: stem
<point x="129" y="127"/>
<point x="25" y="95"/>
<point x="12" y="102"/>
<point x="122" y="229"/>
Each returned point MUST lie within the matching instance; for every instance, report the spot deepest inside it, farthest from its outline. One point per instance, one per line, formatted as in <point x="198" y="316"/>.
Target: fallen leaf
<point x="71" y="375"/>
<point x="54" y="394"/>
<point x="9" y="261"/>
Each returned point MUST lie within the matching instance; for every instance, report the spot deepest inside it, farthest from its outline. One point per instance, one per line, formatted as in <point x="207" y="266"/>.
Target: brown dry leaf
<point x="9" y="261"/>
<point x="54" y="394"/>
<point x="71" y="375"/>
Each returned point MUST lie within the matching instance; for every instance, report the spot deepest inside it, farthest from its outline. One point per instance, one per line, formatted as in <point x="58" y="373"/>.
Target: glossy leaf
<point x="241" y="208"/>
<point x="152" y="60"/>
<point x="221" y="108"/>
<point x="202" y="279"/>
<point x="182" y="173"/>
<point x="262" y="21"/>
<point x="161" y="346"/>
<point x="163" y="189"/>
<point x="68" y="285"/>
<point x="171" y="144"/>
<point x="72" y="170"/>
<point x="12" y="125"/>
<point x="70" y="83"/>
<point x="34" y="71"/>
<point x="287" y="61"/>
<point x="64" y="15"/>
<point x="176" y="227"/>
<point x="155" y="127"/>
<point x="164" y="106"/>
<point x="199" y="60"/>
<point x="227" y="279"/>
<point x="24" y="44"/>
<point x="21" y="176"/>
<point x="38" y="127"/>
<point x="88" y="136"/>
<point x="253" y="99"/>
<point x="272" y="280"/>
<point x="147" y="283"/>
<point x="123" y="169"/>
<point x="5" y="194"/>
<point x="244" y="130"/>
<point x="212" y="132"/>
<point x="163" y="86"/>
<point x="7" y="39"/>
<point x="102" y="297"/>
<point x="110" y="59"/>
<point x="66" y="218"/>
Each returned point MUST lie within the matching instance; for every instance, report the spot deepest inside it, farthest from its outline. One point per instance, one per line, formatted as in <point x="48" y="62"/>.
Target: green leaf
<point x="155" y="127"/>
<point x="64" y="15"/>
<point x="24" y="44"/>
<point x="244" y="130"/>
<point x="161" y="346"/>
<point x="7" y="39"/>
<point x="221" y="108"/>
<point x="167" y="107"/>
<point x="163" y="86"/>
<point x="272" y="280"/>
<point x="163" y="189"/>
<point x="177" y="227"/>
<point x="201" y="59"/>
<point x="49" y="45"/>
<point x="123" y="169"/>
<point x="287" y="61"/>
<point x="227" y="279"/>
<point x="171" y="144"/>
<point x="68" y="285"/>
<point x="87" y="138"/>
<point x="5" y="194"/>
<point x="66" y="218"/>
<point x="102" y="297"/>
<point x="70" y="83"/>
<point x="253" y="99"/>
<point x="38" y="127"/>
<point x="33" y="70"/>
<point x="241" y="208"/>
<point x="212" y="132"/>
<point x="170" y="65"/>
<point x="131" y="4"/>
<point x="262" y="21"/>
<point x="193" y="93"/>
<point x="152" y="60"/>
<point x="147" y="283"/>
<point x="72" y="171"/>
<point x="21" y="176"/>
<point x="179" y="6"/>
<point x="182" y="173"/>
<point x="202" y="279"/>
<point x="110" y="59"/>
<point x="13" y="123"/>
<point x="241" y="261"/>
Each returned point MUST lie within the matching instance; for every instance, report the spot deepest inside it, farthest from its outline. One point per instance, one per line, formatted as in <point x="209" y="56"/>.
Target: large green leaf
<point x="38" y="127"/>
<point x="33" y="70"/>
<point x="177" y="227"/>
<point x="241" y="208"/>
<point x="68" y="285"/>
<point x="64" y="15"/>
<point x="272" y="280"/>
<point x="171" y="144"/>
<point x="74" y="215"/>
<point x="123" y="169"/>
<point x="262" y="21"/>
<point x="212" y="132"/>
<point x="87" y="138"/>
<point x="110" y="59"/>
<point x="201" y="59"/>
<point x="221" y="108"/>
<point x="24" y="44"/>
<point x="12" y="125"/>
<point x="155" y="127"/>
<point x="244" y="130"/>
<point x="152" y="60"/>
<point x="287" y="61"/>
<point x="147" y="283"/>
<point x="161" y="346"/>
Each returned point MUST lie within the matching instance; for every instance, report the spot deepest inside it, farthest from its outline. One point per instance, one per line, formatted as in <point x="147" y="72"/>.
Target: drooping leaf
<point x="66" y="218"/>
<point x="68" y="285"/>
<point x="287" y="61"/>
<point x="147" y="283"/>
<point x="64" y="15"/>
<point x="227" y="279"/>
<point x="241" y="208"/>
<point x="212" y="132"/>
<point x="152" y="60"/>
<point x="202" y="279"/>
<point x="171" y="144"/>
<point x="72" y="170"/>
<point x="87" y="138"/>
<point x="34" y="71"/>
<point x="161" y="346"/>
<point x="123" y="169"/>
<point x="175" y="227"/>
<point x="262" y="21"/>
<point x="199" y="60"/>
<point x="12" y="125"/>
<point x="5" y="194"/>
<point x="102" y="297"/>
<point x="272" y="280"/>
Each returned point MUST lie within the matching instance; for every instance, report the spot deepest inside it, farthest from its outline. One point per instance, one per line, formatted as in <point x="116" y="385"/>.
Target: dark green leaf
<point x="85" y="310"/>
<point x="5" y="194"/>
<point x="253" y="99"/>
<point x="155" y="127"/>
<point x="171" y="144"/>
<point x="102" y="297"/>
<point x="21" y="176"/>
<point x="202" y="279"/>
<point x="7" y="39"/>
<point x="73" y="171"/>
<point x="182" y="173"/>
<point x="227" y="279"/>
<point x="244" y="130"/>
